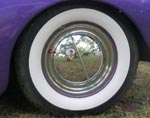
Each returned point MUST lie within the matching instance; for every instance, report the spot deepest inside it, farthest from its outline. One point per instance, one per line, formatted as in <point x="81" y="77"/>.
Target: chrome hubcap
<point x="79" y="59"/>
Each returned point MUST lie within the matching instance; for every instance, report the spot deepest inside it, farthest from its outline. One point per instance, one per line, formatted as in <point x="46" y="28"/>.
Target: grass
<point x="134" y="104"/>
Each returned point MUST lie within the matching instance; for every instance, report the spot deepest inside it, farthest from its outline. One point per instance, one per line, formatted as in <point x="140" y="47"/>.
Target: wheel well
<point x="110" y="10"/>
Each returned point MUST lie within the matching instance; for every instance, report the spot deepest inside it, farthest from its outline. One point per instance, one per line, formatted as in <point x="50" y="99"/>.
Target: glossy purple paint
<point x="16" y="14"/>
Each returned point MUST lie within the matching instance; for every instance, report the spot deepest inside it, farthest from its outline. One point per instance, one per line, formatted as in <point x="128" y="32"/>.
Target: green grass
<point x="134" y="104"/>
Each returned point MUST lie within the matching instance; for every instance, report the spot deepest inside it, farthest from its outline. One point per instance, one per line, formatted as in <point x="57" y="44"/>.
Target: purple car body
<point x="16" y="14"/>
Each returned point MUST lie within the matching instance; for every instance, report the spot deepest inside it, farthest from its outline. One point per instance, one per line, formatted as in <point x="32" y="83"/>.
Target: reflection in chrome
<point x="83" y="60"/>
<point x="80" y="58"/>
<point x="82" y="49"/>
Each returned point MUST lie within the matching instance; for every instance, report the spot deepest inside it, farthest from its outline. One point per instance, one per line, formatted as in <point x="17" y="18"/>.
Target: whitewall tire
<point x="116" y="69"/>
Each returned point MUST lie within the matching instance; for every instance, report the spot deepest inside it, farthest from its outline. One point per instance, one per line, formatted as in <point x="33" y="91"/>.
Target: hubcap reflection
<point x="79" y="59"/>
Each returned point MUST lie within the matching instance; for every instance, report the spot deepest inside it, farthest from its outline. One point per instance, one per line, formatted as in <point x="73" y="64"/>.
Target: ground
<point x="134" y="104"/>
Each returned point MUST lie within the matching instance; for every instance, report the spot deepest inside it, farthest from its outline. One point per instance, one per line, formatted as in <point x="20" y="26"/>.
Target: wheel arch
<point x="110" y="9"/>
<point x="94" y="4"/>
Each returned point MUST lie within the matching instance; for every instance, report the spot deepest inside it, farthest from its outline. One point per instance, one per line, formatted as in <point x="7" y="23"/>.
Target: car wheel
<point x="76" y="59"/>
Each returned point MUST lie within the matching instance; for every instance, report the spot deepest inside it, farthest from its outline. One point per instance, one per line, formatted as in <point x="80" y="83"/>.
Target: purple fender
<point x="16" y="14"/>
